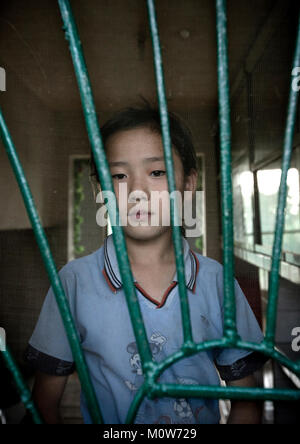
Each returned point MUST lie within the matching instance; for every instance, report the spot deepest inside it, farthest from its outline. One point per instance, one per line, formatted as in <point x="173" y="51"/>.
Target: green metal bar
<point x="133" y="409"/>
<point x="280" y="215"/>
<point x="209" y="345"/>
<point x="24" y="392"/>
<point x="105" y="181"/>
<point x="176" y="233"/>
<point x="272" y="353"/>
<point x="151" y="369"/>
<point x="231" y="338"/>
<point x="230" y="330"/>
<point x="213" y="392"/>
<point x="43" y="245"/>
<point x="226" y="343"/>
<point x="217" y="392"/>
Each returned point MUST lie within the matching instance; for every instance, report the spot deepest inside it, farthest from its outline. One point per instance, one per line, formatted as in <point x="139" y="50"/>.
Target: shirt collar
<point x="112" y="274"/>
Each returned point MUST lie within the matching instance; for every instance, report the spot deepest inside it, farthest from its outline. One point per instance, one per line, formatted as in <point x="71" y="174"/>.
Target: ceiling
<point x="118" y="51"/>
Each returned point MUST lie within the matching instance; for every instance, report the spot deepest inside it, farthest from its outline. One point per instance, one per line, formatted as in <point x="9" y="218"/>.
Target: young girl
<point x="93" y="286"/>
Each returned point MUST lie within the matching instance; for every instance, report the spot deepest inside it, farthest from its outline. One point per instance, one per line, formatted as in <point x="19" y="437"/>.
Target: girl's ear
<point x="96" y="188"/>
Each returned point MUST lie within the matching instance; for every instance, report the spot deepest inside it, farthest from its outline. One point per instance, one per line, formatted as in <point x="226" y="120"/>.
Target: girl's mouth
<point x="143" y="214"/>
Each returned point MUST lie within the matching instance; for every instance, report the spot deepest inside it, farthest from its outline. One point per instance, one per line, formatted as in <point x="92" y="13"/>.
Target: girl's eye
<point x="118" y="176"/>
<point x="157" y="173"/>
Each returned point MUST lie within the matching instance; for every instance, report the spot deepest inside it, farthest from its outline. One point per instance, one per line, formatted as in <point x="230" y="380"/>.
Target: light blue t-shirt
<point x="97" y="301"/>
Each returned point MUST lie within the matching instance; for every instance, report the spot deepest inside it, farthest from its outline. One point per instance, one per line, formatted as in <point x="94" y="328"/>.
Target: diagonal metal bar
<point x="176" y="234"/>
<point x="106" y="181"/>
<point x="226" y="183"/>
<point x="43" y="245"/>
<point x="280" y="214"/>
<point x="25" y="393"/>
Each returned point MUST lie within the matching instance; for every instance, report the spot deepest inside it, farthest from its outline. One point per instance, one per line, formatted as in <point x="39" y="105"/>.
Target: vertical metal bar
<point x="43" y="245"/>
<point x="280" y="214"/>
<point x="226" y="183"/>
<point x="176" y="234"/>
<point x="22" y="388"/>
<point x="105" y="179"/>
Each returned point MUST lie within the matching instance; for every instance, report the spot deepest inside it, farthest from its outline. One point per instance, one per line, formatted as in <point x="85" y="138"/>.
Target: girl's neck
<point x="155" y="251"/>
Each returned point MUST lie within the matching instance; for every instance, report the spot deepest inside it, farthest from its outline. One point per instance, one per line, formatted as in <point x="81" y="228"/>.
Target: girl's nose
<point x="138" y="188"/>
<point x="138" y="195"/>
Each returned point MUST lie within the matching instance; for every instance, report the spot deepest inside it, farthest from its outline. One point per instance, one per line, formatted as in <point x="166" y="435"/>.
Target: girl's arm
<point x="245" y="412"/>
<point x="47" y="393"/>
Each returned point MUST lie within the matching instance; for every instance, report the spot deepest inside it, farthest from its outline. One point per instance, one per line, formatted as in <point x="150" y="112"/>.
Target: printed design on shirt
<point x="175" y="410"/>
<point x="164" y="419"/>
<point x="156" y="343"/>
<point x="181" y="406"/>
<point x="181" y="411"/>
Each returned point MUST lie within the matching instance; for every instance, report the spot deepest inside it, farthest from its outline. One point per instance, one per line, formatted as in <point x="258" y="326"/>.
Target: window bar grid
<point x="45" y="251"/>
<point x="106" y="183"/>
<point x="104" y="174"/>
<point x="176" y="233"/>
<point x="152" y="370"/>
<point x="282" y="196"/>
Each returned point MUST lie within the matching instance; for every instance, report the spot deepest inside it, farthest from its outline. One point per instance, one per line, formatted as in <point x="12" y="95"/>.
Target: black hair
<point x="147" y="116"/>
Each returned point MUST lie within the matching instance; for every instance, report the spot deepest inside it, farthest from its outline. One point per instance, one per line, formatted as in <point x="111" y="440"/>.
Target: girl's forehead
<point x="135" y="143"/>
<point x="136" y="146"/>
<point x="135" y="137"/>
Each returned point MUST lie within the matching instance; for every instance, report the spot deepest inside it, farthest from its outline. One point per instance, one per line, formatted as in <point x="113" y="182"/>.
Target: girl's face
<point x="136" y="161"/>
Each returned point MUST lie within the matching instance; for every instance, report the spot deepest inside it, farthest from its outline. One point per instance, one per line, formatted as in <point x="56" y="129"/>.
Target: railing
<point x="152" y="370"/>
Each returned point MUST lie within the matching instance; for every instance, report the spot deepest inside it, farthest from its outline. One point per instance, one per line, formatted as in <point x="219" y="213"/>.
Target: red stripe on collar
<point x="164" y="298"/>
<point x="111" y="286"/>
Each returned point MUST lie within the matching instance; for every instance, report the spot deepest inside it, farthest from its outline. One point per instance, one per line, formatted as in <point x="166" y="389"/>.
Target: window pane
<point x="268" y="186"/>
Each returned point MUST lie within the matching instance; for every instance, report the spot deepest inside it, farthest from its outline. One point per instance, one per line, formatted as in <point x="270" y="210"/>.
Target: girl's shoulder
<point x="207" y="264"/>
<point x="80" y="264"/>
